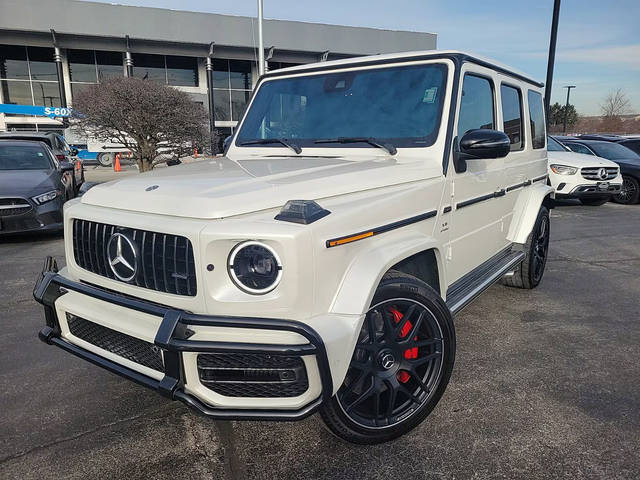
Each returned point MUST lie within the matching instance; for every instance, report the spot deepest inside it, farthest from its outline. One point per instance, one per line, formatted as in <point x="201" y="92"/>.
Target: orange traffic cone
<point x="116" y="164"/>
<point x="195" y="153"/>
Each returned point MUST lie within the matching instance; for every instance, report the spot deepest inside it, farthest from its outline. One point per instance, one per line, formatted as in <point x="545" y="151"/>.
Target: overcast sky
<point x="598" y="40"/>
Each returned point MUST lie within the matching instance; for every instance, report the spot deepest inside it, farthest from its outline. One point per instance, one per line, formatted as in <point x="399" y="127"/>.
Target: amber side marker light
<point x="353" y="238"/>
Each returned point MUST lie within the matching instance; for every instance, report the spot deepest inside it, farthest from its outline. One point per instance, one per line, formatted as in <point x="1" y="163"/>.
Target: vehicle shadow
<point x="39" y="237"/>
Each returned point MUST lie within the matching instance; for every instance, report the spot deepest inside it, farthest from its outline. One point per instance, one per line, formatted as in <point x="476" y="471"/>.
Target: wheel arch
<point x="526" y="211"/>
<point x="417" y="256"/>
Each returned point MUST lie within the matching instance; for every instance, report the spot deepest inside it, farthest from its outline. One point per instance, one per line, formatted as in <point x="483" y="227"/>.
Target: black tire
<point x="405" y="390"/>
<point x="106" y="159"/>
<point x="630" y="193"/>
<point x="594" y="201"/>
<point x="529" y="273"/>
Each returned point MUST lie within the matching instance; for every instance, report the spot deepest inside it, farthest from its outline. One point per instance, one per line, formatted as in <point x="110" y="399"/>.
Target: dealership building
<point x="50" y="50"/>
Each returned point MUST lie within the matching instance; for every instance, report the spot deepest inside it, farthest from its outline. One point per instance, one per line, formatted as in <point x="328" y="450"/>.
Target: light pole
<point x="260" y="41"/>
<point x="566" y="108"/>
<point x="552" y="57"/>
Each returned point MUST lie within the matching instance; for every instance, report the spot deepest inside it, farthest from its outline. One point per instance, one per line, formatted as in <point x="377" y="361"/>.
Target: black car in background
<point x="632" y="143"/>
<point x="628" y="160"/>
<point x="58" y="146"/>
<point x="34" y="185"/>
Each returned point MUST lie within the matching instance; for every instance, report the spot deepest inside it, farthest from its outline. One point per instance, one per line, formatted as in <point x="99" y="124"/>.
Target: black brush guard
<point x="171" y="337"/>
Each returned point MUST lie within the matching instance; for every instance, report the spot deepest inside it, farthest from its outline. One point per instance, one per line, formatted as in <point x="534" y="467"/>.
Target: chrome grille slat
<point x="592" y="173"/>
<point x="166" y="269"/>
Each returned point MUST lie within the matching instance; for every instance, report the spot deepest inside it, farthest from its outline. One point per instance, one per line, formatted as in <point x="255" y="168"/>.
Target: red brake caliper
<point x="402" y="375"/>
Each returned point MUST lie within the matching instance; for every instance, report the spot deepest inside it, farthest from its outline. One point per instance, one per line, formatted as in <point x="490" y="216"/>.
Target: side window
<point x="536" y="117"/>
<point x="579" y="148"/>
<point x="476" y="104"/>
<point x="512" y="115"/>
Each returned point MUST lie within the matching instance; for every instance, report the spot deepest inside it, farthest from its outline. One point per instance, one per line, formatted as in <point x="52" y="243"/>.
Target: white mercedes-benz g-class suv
<point x="361" y="204"/>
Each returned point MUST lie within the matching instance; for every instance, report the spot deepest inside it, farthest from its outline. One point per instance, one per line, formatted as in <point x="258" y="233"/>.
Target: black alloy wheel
<point x="630" y="191"/>
<point x="540" y="249"/>
<point x="400" y="365"/>
<point x="529" y="273"/>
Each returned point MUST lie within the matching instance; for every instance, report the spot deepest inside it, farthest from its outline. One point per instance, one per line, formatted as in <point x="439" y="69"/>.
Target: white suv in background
<point x="592" y="180"/>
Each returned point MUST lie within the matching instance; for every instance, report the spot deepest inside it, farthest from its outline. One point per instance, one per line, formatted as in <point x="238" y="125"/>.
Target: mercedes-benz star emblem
<point x="388" y="361"/>
<point x="602" y="173"/>
<point x="123" y="257"/>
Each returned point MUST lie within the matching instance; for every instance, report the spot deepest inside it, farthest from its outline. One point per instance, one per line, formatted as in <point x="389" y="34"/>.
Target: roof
<point x="408" y="56"/>
<point x="82" y="19"/>
<point x="11" y="141"/>
<point x="25" y="134"/>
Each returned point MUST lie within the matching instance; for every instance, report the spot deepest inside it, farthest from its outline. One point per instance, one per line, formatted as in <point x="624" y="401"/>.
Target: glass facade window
<point x="13" y="62"/>
<point x="279" y="65"/>
<point x="16" y="93"/>
<point x="232" y="88"/>
<point x="169" y="69"/>
<point x="29" y="76"/>
<point x="149" y="67"/>
<point x="109" y="64"/>
<point x="182" y="71"/>
<point x="41" y="64"/>
<point x="82" y="66"/>
<point x="46" y="94"/>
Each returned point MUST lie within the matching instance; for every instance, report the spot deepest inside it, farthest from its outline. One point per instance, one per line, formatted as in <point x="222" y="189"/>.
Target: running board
<point x="464" y="290"/>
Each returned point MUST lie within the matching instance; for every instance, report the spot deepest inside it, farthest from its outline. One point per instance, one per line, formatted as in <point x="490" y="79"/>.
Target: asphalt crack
<point x="84" y="433"/>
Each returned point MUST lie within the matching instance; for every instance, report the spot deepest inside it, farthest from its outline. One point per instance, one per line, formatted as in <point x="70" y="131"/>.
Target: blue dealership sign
<point x="35" y="110"/>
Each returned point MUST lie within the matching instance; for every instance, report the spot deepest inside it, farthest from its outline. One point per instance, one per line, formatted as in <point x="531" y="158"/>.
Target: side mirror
<point x="481" y="143"/>
<point x="74" y="152"/>
<point x="226" y="143"/>
<point x="85" y="187"/>
<point x="66" y="167"/>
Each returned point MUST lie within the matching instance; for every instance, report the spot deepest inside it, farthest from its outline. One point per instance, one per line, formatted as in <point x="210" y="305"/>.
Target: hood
<point x="579" y="160"/>
<point x="26" y="183"/>
<point x="223" y="187"/>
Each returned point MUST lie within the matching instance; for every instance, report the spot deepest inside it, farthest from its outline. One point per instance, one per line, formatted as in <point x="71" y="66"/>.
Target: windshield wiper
<point x="391" y="149"/>
<point x="267" y="141"/>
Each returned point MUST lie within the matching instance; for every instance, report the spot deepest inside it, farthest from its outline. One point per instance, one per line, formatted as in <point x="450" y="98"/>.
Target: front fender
<point x="361" y="279"/>
<point x="526" y="211"/>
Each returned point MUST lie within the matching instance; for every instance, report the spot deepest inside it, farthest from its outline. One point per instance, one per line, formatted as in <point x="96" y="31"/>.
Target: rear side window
<point x="536" y="117"/>
<point x="512" y="116"/>
<point x="476" y="104"/>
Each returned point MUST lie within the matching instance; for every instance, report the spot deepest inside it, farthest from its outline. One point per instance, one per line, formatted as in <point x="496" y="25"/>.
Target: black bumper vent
<point x="118" y="343"/>
<point x="253" y="374"/>
<point x="165" y="262"/>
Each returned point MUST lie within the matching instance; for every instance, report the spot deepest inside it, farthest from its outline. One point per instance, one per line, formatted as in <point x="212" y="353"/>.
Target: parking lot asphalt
<point x="546" y="385"/>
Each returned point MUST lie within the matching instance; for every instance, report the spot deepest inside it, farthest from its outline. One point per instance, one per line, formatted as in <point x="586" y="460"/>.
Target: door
<point x="475" y="227"/>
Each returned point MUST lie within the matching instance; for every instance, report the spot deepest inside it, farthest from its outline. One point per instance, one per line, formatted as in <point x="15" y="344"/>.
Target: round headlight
<point x="254" y="267"/>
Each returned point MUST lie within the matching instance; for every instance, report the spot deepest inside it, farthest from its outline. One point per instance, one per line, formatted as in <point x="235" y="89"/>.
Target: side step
<point x="467" y="288"/>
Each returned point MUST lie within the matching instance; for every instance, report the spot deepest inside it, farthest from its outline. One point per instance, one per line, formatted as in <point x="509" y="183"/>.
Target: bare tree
<point x="615" y="104"/>
<point x="156" y="122"/>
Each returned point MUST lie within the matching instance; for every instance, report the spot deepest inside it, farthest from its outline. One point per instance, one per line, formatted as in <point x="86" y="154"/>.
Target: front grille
<point x="14" y="206"/>
<point x="118" y="343"/>
<point x="165" y="262"/>
<point x="593" y="173"/>
<point x="253" y="374"/>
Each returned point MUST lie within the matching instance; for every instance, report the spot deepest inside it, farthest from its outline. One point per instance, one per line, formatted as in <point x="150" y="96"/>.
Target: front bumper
<point x="172" y="339"/>
<point x="590" y="190"/>
<point x="41" y="218"/>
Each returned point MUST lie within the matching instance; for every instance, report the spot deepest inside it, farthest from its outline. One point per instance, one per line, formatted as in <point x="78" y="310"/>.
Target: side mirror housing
<point x="74" y="152"/>
<point x="225" y="144"/>
<point x="479" y="144"/>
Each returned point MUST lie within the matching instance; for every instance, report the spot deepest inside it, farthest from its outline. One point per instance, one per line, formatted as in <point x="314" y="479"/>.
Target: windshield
<point x="398" y="105"/>
<point x="23" y="157"/>
<point x="613" y="151"/>
<point x="555" y="146"/>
